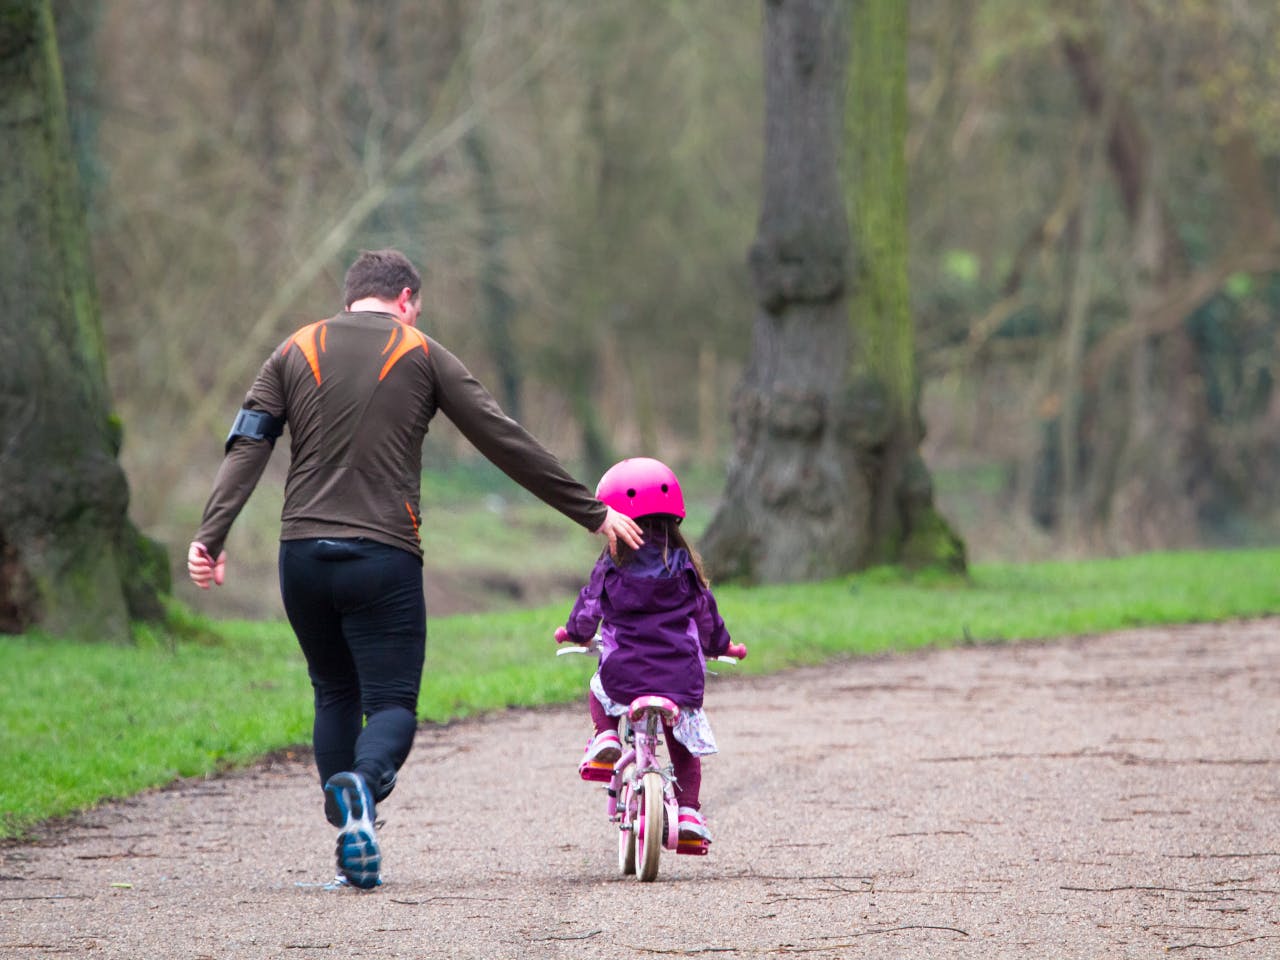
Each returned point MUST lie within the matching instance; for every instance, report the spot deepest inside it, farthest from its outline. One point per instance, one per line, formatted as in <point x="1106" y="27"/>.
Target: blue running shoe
<point x="348" y="805"/>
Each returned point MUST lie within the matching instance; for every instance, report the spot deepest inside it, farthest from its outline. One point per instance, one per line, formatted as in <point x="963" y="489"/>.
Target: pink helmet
<point x="641" y="486"/>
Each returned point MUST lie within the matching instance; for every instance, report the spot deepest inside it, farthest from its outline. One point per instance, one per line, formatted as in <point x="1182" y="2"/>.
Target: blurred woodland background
<point x="1094" y="203"/>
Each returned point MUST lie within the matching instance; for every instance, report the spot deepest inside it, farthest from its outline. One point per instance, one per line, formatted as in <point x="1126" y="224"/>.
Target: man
<point x="358" y="391"/>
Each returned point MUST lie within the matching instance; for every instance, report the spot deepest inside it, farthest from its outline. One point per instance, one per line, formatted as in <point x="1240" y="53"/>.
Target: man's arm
<point x="248" y="449"/>
<point x="236" y="479"/>
<point x="471" y="408"/>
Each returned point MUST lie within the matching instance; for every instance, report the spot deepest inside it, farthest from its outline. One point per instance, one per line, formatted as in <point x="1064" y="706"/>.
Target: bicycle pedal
<point x="596" y="771"/>
<point x="693" y="846"/>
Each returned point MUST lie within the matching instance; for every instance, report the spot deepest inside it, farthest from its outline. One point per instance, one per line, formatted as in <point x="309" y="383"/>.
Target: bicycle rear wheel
<point x="652" y="828"/>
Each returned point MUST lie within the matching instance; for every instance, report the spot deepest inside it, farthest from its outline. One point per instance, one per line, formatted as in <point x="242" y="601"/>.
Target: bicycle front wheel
<point x="628" y="820"/>
<point x="649" y="838"/>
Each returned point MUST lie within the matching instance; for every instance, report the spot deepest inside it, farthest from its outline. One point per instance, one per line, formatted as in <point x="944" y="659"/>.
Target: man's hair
<point x="379" y="273"/>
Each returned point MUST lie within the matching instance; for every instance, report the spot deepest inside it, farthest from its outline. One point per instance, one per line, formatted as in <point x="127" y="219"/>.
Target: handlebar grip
<point x="573" y="648"/>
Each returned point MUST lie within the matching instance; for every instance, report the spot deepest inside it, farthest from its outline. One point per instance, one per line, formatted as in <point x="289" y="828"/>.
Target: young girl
<point x="658" y="623"/>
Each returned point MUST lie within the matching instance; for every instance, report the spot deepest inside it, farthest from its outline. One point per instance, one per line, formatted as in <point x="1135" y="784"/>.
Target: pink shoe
<point x="693" y="826"/>
<point x="602" y="753"/>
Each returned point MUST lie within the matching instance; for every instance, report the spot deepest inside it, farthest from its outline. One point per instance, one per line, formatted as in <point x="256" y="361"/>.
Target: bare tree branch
<point x="428" y="145"/>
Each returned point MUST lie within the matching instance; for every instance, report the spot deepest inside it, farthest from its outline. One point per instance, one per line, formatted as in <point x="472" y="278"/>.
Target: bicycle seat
<point x="667" y="709"/>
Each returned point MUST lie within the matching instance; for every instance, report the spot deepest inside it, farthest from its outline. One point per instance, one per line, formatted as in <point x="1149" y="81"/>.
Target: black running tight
<point x="357" y="609"/>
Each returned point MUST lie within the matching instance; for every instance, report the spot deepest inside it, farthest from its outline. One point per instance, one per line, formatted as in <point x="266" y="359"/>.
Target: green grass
<point x="486" y="521"/>
<point x="83" y="723"/>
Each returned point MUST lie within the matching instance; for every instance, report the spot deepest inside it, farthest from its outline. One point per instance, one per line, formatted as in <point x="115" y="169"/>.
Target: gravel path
<point x="1104" y="797"/>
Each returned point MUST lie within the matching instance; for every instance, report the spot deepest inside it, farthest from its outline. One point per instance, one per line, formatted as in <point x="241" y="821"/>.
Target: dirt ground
<point x="1114" y="796"/>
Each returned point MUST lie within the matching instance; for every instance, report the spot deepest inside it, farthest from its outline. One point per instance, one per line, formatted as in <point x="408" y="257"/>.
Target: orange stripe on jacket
<point x="410" y="339"/>
<point x="310" y="340"/>
<point x="414" y="519"/>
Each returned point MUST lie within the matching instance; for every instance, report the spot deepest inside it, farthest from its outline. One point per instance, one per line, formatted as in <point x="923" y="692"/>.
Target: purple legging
<point x="687" y="767"/>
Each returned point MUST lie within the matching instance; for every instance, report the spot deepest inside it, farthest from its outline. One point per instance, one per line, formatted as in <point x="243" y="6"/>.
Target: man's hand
<point x="618" y="526"/>
<point x="202" y="568"/>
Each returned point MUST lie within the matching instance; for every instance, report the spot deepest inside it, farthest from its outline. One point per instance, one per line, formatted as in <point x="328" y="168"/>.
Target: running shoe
<point x="693" y="826"/>
<point x="604" y="748"/>
<point x="602" y="752"/>
<point x="349" y="806"/>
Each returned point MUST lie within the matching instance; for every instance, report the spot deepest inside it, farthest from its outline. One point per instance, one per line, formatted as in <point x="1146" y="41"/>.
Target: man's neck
<point x="375" y="305"/>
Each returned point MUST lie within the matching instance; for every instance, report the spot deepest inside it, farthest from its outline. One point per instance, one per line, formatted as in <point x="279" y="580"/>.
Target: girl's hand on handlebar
<point x="737" y="650"/>
<point x="568" y="644"/>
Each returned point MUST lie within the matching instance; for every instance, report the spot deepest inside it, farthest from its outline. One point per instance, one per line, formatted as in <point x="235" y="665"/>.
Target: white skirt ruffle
<point x="692" y="728"/>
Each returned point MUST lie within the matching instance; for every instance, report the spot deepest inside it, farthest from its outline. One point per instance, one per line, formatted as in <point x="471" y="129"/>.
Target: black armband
<point x="255" y="425"/>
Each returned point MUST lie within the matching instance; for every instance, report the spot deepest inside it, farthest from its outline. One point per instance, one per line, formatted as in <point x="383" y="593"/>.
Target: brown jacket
<point x="358" y="392"/>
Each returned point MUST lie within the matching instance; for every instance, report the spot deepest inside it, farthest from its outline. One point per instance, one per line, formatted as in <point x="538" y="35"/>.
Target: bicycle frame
<point x="642" y="792"/>
<point x="641" y="786"/>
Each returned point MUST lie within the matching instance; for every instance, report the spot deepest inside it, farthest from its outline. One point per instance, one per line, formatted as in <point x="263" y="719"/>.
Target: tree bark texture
<point x="1148" y="471"/>
<point x="906" y="526"/>
<point x="497" y="307"/>
<point x="811" y="434"/>
<point x="71" y="563"/>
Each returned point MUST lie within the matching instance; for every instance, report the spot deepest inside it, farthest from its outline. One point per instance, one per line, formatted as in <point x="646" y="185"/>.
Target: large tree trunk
<point x="905" y="526"/>
<point x="497" y="307"/>
<point x="77" y="34"/>
<point x="70" y="561"/>
<point x="826" y="436"/>
<point x="1148" y="476"/>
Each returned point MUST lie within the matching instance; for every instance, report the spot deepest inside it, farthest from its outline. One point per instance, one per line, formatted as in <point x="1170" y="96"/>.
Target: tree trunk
<point x="77" y="33"/>
<point x="825" y="433"/>
<point x="580" y="350"/>
<point x="497" y="306"/>
<point x="1071" y="510"/>
<point x="71" y="563"/>
<point x="1152" y="482"/>
<point x="906" y="527"/>
<point x="708" y="418"/>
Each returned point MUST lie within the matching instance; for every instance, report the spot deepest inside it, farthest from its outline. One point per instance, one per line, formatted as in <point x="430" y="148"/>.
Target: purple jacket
<point x="657" y="625"/>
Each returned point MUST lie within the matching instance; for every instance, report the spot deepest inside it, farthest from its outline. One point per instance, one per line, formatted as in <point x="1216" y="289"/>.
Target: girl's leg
<point x="688" y="771"/>
<point x="604" y="746"/>
<point x="601" y="720"/>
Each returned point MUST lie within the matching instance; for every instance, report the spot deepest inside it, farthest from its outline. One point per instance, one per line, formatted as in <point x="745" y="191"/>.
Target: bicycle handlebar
<point x="577" y="648"/>
<point x="735" y="653"/>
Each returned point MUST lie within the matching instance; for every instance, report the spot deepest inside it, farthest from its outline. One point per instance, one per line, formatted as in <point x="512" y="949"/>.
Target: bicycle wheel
<point x="627" y="822"/>
<point x="649" y="838"/>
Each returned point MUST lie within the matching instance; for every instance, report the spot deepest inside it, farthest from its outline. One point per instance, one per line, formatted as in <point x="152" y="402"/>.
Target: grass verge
<point x="83" y="723"/>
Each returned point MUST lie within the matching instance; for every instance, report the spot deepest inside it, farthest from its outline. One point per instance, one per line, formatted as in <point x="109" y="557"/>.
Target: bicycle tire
<point x="627" y="822"/>
<point x="652" y="828"/>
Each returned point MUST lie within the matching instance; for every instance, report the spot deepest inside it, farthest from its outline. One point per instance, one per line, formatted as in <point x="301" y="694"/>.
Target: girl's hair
<point x="664" y="529"/>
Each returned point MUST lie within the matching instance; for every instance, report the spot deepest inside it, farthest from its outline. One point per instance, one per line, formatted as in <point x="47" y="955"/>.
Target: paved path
<point x="1106" y="797"/>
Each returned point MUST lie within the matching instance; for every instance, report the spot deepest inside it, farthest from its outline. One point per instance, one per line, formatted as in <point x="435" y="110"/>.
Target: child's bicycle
<point x="642" y="799"/>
